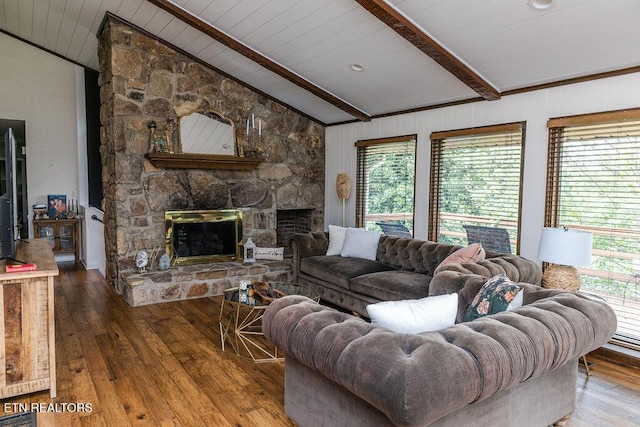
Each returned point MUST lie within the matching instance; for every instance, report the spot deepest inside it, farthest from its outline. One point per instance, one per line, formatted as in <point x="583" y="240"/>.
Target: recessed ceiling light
<point x="356" y="67"/>
<point x="540" y="4"/>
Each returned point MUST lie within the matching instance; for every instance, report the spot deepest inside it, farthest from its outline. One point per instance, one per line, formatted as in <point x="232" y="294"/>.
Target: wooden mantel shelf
<point x="201" y="161"/>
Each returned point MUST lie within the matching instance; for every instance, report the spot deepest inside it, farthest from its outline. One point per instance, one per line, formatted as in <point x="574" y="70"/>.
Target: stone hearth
<point x="197" y="281"/>
<point x="143" y="79"/>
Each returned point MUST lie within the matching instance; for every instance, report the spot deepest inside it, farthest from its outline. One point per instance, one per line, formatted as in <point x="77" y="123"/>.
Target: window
<point x="593" y="184"/>
<point x="475" y="186"/>
<point x="385" y="182"/>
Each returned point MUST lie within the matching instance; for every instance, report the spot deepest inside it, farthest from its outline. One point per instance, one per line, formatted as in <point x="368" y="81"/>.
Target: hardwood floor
<point x="163" y="365"/>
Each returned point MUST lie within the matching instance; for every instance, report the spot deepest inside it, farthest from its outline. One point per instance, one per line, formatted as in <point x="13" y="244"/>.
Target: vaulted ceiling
<point x="414" y="54"/>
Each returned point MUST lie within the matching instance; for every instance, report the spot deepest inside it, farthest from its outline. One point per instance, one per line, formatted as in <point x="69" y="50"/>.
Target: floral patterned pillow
<point x="495" y="296"/>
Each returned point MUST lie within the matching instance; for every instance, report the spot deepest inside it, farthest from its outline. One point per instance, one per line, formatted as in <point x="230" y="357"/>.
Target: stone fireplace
<point x="144" y="79"/>
<point x="289" y="222"/>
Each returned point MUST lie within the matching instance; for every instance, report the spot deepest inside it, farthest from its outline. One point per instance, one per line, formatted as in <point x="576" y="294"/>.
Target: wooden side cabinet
<point x="62" y="234"/>
<point x="28" y="347"/>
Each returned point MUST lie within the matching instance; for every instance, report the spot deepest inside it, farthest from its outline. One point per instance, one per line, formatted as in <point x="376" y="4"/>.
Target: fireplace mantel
<point x="201" y="161"/>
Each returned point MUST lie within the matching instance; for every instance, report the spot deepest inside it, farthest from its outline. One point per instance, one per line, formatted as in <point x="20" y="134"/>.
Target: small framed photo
<point x="57" y="206"/>
<point x="40" y="212"/>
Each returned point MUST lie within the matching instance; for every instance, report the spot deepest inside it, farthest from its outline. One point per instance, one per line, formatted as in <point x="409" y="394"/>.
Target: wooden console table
<point x="27" y="352"/>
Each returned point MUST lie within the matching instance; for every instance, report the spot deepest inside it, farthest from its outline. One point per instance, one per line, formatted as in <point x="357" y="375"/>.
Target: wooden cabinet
<point x="62" y="234"/>
<point x="27" y="352"/>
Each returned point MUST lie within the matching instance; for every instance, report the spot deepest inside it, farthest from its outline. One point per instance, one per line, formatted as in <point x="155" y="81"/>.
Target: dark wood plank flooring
<point x="162" y="365"/>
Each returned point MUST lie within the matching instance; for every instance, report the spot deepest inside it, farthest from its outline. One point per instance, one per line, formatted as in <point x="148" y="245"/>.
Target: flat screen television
<point x="8" y="202"/>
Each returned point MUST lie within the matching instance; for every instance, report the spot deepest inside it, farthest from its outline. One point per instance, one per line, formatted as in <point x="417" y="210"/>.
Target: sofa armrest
<point x="307" y="244"/>
<point x="415" y="379"/>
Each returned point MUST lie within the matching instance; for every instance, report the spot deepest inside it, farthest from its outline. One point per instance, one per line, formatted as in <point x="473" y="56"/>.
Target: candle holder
<point x="253" y="140"/>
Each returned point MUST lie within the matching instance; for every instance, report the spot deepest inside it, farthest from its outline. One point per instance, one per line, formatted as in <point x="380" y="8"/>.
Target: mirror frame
<point x="215" y="115"/>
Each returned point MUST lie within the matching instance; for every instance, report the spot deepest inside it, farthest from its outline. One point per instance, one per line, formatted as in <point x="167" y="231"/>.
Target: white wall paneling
<point x="40" y="89"/>
<point x="535" y="108"/>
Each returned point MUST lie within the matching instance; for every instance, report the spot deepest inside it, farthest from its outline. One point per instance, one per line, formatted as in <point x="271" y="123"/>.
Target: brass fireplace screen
<point x="201" y="236"/>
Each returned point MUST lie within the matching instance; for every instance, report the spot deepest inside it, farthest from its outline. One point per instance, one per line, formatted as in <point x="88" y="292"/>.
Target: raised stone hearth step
<point x="198" y="281"/>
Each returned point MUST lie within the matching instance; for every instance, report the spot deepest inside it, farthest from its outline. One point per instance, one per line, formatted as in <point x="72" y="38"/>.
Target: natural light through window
<point x="594" y="185"/>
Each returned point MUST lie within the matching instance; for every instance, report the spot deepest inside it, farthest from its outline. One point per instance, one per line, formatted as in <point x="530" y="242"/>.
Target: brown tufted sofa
<point x="403" y="269"/>
<point x="515" y="368"/>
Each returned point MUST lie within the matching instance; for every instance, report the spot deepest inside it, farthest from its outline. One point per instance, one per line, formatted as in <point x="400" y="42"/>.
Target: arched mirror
<point x="207" y="132"/>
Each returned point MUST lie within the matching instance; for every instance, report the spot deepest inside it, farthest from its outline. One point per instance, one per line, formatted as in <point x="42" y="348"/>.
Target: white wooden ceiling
<point x="505" y="42"/>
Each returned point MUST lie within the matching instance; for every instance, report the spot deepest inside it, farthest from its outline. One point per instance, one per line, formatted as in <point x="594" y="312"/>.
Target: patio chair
<point x="493" y="239"/>
<point x="394" y="229"/>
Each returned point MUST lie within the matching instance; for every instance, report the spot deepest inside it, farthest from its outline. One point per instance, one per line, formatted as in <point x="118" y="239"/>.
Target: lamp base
<point x="561" y="277"/>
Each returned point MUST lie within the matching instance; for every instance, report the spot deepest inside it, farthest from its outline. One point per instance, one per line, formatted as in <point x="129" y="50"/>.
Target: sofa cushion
<point x="360" y="243"/>
<point x="415" y="315"/>
<point x="392" y="285"/>
<point x="496" y="295"/>
<point x="338" y="270"/>
<point x="336" y="239"/>
<point x="471" y="253"/>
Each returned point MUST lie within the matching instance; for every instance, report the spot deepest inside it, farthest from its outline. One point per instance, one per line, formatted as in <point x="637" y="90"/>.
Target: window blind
<point x="385" y="181"/>
<point x="475" y="180"/>
<point x="593" y="184"/>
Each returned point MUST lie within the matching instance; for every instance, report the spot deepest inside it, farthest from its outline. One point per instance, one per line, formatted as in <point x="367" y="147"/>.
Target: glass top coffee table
<point x="241" y="323"/>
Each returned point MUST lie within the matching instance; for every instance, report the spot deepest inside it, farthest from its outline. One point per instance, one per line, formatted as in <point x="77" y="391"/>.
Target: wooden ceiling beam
<point x="257" y="57"/>
<point x="416" y="36"/>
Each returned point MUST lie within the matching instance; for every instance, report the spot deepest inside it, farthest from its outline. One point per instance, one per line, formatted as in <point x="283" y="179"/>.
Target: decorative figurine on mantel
<point x="162" y="141"/>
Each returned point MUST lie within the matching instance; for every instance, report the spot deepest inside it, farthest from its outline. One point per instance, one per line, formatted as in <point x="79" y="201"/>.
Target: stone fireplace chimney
<point x="144" y="79"/>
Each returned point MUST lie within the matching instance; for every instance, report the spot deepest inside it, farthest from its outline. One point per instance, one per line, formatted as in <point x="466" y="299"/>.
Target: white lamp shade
<point x="565" y="247"/>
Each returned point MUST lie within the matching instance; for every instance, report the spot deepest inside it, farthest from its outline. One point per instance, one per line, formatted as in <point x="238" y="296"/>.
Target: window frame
<point x="557" y="127"/>
<point x="361" y="147"/>
<point x="437" y="141"/>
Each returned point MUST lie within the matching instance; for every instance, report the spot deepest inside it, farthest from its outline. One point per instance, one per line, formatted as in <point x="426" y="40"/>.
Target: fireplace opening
<point x="289" y="222"/>
<point x="203" y="236"/>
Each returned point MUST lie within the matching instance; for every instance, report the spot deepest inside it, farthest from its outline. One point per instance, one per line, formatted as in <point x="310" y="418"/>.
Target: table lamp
<point x="565" y="249"/>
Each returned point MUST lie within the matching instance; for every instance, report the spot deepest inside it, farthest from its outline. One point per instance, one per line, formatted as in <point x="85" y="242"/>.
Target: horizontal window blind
<point x="475" y="180"/>
<point x="385" y="181"/>
<point x="593" y="184"/>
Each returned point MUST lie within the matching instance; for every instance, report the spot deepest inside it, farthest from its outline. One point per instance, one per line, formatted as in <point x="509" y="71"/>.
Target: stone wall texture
<point x="143" y="79"/>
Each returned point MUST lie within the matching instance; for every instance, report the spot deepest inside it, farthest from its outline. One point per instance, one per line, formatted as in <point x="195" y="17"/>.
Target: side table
<point x="241" y="324"/>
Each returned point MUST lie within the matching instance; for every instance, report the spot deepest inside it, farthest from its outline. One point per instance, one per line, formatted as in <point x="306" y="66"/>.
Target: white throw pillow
<point x="361" y="244"/>
<point x="336" y="239"/>
<point x="415" y="316"/>
<point x="517" y="301"/>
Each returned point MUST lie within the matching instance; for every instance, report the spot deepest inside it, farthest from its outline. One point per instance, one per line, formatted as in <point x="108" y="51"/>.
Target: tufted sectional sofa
<point x="514" y="368"/>
<point x="403" y="269"/>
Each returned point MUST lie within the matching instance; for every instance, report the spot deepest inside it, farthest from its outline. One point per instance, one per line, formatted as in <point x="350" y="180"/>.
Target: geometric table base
<point x="241" y="326"/>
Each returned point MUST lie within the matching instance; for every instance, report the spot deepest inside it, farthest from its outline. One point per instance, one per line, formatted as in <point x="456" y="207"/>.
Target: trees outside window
<point x="475" y="180"/>
<point x="385" y="182"/>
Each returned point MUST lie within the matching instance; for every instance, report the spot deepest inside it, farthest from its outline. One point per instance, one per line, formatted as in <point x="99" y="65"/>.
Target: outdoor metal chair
<point x="493" y="239"/>
<point x="394" y="229"/>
